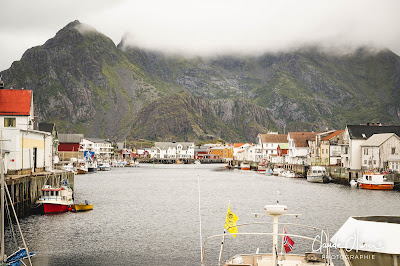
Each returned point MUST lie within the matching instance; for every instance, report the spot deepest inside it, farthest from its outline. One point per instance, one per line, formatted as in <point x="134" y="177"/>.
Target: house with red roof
<point x="25" y="149"/>
<point x="298" y="149"/>
<point x="326" y="149"/>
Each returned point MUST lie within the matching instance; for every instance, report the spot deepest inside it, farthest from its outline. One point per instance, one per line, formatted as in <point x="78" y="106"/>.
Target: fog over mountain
<point x="208" y="27"/>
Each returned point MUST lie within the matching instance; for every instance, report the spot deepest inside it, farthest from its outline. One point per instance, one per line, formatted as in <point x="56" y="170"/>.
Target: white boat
<point x="197" y="162"/>
<point x="105" y="167"/>
<point x="245" y="166"/>
<point x="290" y="174"/>
<point x="56" y="199"/>
<point x="68" y="168"/>
<point x="375" y="181"/>
<point x="369" y="241"/>
<point x="278" y="170"/>
<point x="320" y="257"/>
<point x="317" y="174"/>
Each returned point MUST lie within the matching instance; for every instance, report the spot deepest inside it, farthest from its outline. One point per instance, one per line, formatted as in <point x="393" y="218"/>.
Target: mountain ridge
<point x="87" y="84"/>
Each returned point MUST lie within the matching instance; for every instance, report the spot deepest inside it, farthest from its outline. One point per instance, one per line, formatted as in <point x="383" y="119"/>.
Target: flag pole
<point x="222" y="248"/>
<point x="283" y="237"/>
<point x="201" y="240"/>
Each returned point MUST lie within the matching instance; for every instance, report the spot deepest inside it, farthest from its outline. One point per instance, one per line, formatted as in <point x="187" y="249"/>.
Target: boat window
<point x="51" y="193"/>
<point x="319" y="171"/>
<point x="56" y="193"/>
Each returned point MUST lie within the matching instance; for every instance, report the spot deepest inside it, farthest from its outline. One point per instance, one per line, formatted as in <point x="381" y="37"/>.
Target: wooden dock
<point x="26" y="189"/>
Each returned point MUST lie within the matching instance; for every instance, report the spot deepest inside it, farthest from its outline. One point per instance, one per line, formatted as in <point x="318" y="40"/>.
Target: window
<point x="365" y="162"/>
<point x="322" y="151"/>
<point x="393" y="150"/>
<point x="346" y="150"/>
<point x="9" y="122"/>
<point x="365" y="151"/>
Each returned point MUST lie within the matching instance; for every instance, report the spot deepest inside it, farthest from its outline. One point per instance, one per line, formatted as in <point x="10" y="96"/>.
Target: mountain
<point x="86" y="84"/>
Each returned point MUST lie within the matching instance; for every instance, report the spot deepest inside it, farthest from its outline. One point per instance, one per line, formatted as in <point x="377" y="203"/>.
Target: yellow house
<point x="224" y="151"/>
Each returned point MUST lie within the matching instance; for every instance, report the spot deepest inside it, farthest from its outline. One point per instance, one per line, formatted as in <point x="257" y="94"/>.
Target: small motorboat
<point x="56" y="199"/>
<point x="375" y="181"/>
<point x="82" y="207"/>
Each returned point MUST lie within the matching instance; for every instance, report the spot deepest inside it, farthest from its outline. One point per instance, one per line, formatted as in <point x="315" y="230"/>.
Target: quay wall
<point x="26" y="189"/>
<point x="185" y="161"/>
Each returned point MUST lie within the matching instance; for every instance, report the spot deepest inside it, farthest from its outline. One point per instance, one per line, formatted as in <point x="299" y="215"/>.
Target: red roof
<point x="334" y="134"/>
<point x="15" y="102"/>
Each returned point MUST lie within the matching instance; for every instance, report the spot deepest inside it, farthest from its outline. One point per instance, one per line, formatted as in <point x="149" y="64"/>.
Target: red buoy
<point x="69" y="209"/>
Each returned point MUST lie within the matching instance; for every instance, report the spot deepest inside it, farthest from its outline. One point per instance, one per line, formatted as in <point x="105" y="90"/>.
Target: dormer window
<point x="9" y="122"/>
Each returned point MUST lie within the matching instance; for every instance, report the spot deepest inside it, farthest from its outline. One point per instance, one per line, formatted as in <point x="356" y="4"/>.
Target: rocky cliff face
<point x="86" y="84"/>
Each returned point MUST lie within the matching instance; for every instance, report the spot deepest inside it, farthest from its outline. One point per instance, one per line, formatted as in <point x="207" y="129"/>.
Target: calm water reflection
<point x="149" y="215"/>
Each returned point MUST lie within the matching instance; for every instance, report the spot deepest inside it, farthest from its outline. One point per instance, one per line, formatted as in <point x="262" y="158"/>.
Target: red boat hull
<point x="379" y="187"/>
<point x="53" y="208"/>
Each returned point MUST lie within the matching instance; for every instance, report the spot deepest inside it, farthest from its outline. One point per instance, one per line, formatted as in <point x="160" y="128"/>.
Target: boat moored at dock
<point x="245" y="166"/>
<point x="317" y="174"/>
<point x="56" y="199"/>
<point x="375" y="181"/>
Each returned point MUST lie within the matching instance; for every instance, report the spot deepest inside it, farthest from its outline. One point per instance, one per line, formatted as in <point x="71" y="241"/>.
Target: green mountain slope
<point x="86" y="84"/>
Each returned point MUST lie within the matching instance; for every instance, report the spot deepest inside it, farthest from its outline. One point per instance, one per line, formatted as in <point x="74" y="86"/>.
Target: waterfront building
<point x="102" y="148"/>
<point x="299" y="150"/>
<point x="51" y="128"/>
<point x="355" y="136"/>
<point x="378" y="150"/>
<point x="238" y="147"/>
<point x="224" y="151"/>
<point x="25" y="148"/>
<point x="282" y="151"/>
<point x="173" y="150"/>
<point x="69" y="146"/>
<point x="325" y="148"/>
<point x="269" y="143"/>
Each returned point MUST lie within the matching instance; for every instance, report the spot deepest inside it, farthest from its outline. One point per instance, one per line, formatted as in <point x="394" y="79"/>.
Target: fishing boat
<point x="82" y="169"/>
<point x="245" y="166"/>
<point x="369" y="241"/>
<point x="261" y="167"/>
<point x="375" y="181"/>
<point x="56" y="199"/>
<point x="317" y="174"/>
<point x="319" y="257"/>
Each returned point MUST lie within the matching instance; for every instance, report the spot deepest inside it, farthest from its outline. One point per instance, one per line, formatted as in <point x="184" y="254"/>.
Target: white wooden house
<point x="378" y="150"/>
<point x="172" y="150"/>
<point x="355" y="136"/>
<point x="269" y="143"/>
<point x="27" y="149"/>
<point x="298" y="149"/>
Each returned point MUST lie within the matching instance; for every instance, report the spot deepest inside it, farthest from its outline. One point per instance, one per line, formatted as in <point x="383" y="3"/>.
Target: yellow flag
<point x="231" y="219"/>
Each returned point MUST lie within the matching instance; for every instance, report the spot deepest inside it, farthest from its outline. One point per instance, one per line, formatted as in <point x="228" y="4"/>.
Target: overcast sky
<point x="206" y="26"/>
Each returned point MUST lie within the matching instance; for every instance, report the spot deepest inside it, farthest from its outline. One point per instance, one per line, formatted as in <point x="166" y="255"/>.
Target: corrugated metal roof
<point x="333" y="134"/>
<point x="284" y="146"/>
<point x="15" y="102"/>
<point x="70" y="138"/>
<point x="376" y="140"/>
<point x="97" y="140"/>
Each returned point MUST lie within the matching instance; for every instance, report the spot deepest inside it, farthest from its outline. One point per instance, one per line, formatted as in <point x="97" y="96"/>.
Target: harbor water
<point x="149" y="215"/>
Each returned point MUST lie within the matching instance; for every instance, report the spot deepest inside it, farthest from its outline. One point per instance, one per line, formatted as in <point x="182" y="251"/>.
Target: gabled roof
<point x="15" y="102"/>
<point x="70" y="138"/>
<point x="97" y="140"/>
<point x="300" y="138"/>
<point x="357" y="131"/>
<point x="47" y="127"/>
<point x="333" y="134"/>
<point x="237" y="145"/>
<point x="377" y="140"/>
<point x="273" y="138"/>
